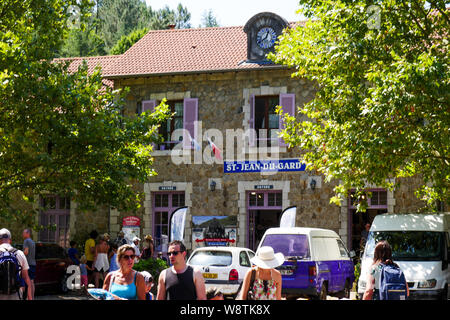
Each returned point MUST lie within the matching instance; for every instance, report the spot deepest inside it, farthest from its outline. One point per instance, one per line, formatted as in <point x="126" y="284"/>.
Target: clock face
<point x="265" y="38"/>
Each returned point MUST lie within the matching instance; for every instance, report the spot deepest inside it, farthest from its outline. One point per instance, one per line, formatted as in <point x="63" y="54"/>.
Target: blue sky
<point x="231" y="12"/>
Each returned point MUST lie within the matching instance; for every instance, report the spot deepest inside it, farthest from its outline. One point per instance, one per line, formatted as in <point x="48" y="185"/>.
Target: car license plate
<point x="210" y="275"/>
<point x="286" y="272"/>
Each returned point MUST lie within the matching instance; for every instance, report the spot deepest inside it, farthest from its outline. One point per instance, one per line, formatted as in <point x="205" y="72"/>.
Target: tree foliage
<point x="113" y="26"/>
<point x="381" y="109"/>
<point x="63" y="132"/>
<point x="126" y="42"/>
<point x="209" y="20"/>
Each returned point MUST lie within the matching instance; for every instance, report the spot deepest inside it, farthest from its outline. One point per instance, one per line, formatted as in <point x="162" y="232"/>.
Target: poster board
<point x="214" y="231"/>
<point x="131" y="227"/>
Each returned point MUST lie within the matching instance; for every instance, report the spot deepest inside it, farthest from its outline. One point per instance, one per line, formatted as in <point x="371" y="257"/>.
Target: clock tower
<point x="262" y="32"/>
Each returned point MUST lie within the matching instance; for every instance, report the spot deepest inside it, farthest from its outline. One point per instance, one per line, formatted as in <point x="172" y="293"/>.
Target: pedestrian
<point x="382" y="256"/>
<point x="29" y="249"/>
<point x="135" y="245"/>
<point x="5" y="250"/>
<point x="120" y="240"/>
<point x="101" y="261"/>
<point x="214" y="293"/>
<point x="364" y="235"/>
<point x="160" y="256"/>
<point x="84" y="269"/>
<point x="180" y="281"/>
<point x="113" y="266"/>
<point x="147" y="252"/>
<point x="148" y="285"/>
<point x="125" y="283"/>
<point x="89" y="252"/>
<point x="73" y="253"/>
<point x="263" y="281"/>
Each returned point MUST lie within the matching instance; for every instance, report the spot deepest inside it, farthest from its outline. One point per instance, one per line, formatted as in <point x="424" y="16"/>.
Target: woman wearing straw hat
<point x="267" y="280"/>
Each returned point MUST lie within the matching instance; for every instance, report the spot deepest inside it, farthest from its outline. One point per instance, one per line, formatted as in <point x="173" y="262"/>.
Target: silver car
<point x="223" y="267"/>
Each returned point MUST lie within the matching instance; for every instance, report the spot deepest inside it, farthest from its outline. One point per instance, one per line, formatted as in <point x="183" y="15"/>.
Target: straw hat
<point x="265" y="258"/>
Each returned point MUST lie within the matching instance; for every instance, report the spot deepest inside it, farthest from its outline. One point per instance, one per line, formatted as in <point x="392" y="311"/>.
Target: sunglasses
<point x="127" y="257"/>
<point x="173" y="253"/>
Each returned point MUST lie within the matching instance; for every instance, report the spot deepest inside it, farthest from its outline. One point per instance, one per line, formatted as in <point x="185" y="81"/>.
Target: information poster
<point x="131" y="227"/>
<point x="214" y="231"/>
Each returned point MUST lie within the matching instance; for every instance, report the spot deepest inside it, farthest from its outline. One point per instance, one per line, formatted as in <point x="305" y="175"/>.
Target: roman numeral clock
<point x="262" y="32"/>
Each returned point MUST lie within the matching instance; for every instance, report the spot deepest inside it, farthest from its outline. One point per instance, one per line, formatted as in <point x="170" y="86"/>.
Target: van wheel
<point x="323" y="292"/>
<point x="346" y="292"/>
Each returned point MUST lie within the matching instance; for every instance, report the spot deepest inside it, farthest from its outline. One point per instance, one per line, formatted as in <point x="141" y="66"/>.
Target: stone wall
<point x="223" y="104"/>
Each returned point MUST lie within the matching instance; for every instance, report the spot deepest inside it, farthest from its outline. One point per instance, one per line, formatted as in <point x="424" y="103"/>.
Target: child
<point x="113" y="266"/>
<point x="73" y="253"/>
<point x="148" y="285"/>
<point x="83" y="271"/>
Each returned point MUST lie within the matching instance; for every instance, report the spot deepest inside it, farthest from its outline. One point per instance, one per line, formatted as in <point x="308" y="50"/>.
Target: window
<point x="55" y="218"/>
<point x="342" y="250"/>
<point x="176" y="122"/>
<point x="265" y="199"/>
<point x="377" y="200"/>
<point x="186" y="117"/>
<point x="243" y="259"/>
<point x="266" y="120"/>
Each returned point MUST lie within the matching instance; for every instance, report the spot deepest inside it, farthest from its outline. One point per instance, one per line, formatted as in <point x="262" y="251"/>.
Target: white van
<point x="317" y="262"/>
<point x="420" y="246"/>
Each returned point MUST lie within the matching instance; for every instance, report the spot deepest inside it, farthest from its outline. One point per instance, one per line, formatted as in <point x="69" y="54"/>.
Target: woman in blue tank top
<point x="125" y="283"/>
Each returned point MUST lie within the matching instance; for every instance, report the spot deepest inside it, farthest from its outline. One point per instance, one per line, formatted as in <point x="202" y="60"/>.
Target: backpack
<point x="392" y="283"/>
<point x="9" y="272"/>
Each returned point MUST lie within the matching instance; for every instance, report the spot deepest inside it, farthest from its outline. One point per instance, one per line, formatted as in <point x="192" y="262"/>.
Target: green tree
<point x="126" y="42"/>
<point x="164" y="17"/>
<point x="63" y="132"/>
<point x="208" y="20"/>
<point x="381" y="107"/>
<point x="118" y="18"/>
<point x="83" y="43"/>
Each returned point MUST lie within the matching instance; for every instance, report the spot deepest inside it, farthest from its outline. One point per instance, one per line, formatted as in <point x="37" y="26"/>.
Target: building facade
<point x="220" y="155"/>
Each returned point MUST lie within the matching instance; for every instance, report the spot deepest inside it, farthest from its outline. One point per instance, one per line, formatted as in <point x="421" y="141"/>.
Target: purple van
<point x="316" y="264"/>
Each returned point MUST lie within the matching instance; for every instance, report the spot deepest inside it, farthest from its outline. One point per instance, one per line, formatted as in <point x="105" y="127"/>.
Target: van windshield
<point x="291" y="245"/>
<point x="408" y="245"/>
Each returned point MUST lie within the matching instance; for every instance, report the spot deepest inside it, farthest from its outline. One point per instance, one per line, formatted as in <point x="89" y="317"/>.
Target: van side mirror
<point x="352" y="254"/>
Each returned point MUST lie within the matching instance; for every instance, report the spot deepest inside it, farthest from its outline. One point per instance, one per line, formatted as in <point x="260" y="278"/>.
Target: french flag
<point x="194" y="143"/>
<point x="215" y="149"/>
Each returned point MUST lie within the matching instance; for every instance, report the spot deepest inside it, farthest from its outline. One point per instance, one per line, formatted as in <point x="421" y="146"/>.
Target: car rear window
<point x="291" y="245"/>
<point x="211" y="258"/>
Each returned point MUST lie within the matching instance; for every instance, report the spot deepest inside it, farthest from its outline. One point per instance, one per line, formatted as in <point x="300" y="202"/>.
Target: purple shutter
<point x="287" y="101"/>
<point x="190" y="118"/>
<point x="149" y="106"/>
<point x="251" y="121"/>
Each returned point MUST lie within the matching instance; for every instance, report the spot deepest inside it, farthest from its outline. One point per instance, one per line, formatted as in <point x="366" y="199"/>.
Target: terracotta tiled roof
<point x="92" y="62"/>
<point x="184" y="51"/>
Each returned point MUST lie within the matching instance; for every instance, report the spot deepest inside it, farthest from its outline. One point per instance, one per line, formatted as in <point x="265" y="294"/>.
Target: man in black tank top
<point x="180" y="282"/>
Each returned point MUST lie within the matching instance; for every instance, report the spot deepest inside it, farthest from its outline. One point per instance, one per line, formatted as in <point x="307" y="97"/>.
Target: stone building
<point x="224" y="93"/>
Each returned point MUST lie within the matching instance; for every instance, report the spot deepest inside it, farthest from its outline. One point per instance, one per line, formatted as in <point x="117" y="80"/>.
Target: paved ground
<point x="76" y="296"/>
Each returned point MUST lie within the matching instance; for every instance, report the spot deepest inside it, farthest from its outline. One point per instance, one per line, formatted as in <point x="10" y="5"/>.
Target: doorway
<point x="377" y="204"/>
<point x="264" y="212"/>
